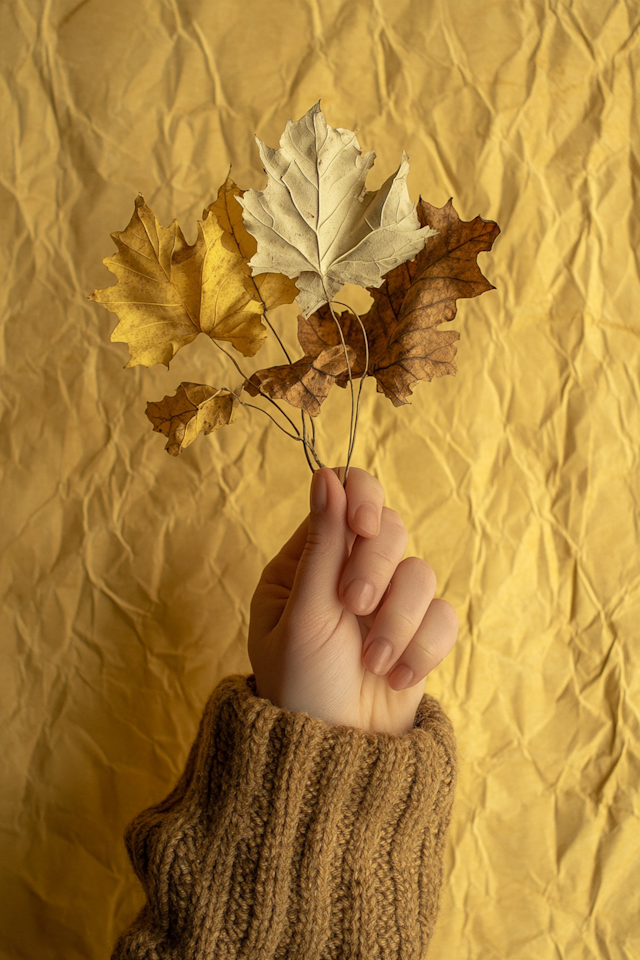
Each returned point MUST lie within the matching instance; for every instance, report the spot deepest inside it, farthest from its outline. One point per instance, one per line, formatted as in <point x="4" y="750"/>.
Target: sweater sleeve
<point x="287" y="837"/>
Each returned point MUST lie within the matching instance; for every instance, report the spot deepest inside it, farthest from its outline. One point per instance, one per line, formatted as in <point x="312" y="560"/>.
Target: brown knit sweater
<point x="287" y="837"/>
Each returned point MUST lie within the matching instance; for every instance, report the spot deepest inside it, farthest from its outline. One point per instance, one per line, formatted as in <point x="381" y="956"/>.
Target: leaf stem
<point x="273" y="330"/>
<point x="304" y="435"/>
<point x="364" y="375"/>
<point x="245" y="377"/>
<point x="344" y="347"/>
<point x="313" y="427"/>
<point x="297" y="436"/>
<point x="253" y="407"/>
<point x="312" y="443"/>
<point x="313" y="432"/>
<point x="243" y="403"/>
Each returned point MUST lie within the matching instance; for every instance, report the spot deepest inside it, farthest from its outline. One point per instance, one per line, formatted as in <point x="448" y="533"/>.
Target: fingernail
<point x="378" y="655"/>
<point x="366" y="518"/>
<point x="358" y="595"/>
<point x="402" y="677"/>
<point x="318" y="492"/>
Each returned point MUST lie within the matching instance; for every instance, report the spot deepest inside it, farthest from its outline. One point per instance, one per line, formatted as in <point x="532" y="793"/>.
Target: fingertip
<point x="318" y="492"/>
<point x="334" y="496"/>
<point x="365" y="496"/>
<point x="366" y="520"/>
<point x="333" y="480"/>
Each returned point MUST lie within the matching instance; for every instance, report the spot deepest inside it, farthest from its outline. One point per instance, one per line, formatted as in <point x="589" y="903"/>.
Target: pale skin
<point x="312" y="627"/>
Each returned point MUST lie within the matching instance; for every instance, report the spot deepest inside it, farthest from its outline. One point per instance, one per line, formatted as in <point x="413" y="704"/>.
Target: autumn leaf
<point x="195" y="408"/>
<point x="316" y="221"/>
<point x="153" y="295"/>
<point x="319" y="331"/>
<point x="313" y="228"/>
<point x="305" y="383"/>
<point x="169" y="291"/>
<point x="273" y="289"/>
<point x="404" y="345"/>
<point x="229" y="307"/>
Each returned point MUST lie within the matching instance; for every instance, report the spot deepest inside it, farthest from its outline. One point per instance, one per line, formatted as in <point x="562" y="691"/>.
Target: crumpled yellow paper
<point x="127" y="574"/>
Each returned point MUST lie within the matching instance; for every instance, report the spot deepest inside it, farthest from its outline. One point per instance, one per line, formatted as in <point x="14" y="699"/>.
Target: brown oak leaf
<point x="194" y="408"/>
<point x="305" y="383"/>
<point x="404" y="345"/>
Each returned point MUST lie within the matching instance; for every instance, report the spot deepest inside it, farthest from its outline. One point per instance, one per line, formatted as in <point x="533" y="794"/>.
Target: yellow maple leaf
<point x="156" y="318"/>
<point x="273" y="289"/>
<point x="229" y="307"/>
<point x="169" y="291"/>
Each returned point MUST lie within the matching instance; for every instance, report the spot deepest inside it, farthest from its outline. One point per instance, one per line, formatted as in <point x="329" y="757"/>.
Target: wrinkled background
<point x="126" y="575"/>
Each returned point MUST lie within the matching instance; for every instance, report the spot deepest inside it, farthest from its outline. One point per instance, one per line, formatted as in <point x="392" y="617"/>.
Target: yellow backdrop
<point x="127" y="574"/>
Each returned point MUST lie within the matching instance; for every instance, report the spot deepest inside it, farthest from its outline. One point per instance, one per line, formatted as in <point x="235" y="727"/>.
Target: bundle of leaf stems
<point x="310" y="445"/>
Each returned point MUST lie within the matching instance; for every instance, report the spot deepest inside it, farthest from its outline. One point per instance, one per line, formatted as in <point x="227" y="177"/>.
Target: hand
<point x="312" y="626"/>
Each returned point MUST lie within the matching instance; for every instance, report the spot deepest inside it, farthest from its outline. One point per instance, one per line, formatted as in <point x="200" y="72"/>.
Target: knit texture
<point x="292" y="839"/>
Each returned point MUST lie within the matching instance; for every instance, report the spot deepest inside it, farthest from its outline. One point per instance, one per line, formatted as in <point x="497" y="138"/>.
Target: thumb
<point x="314" y="598"/>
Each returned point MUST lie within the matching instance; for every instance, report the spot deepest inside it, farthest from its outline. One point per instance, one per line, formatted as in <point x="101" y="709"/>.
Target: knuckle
<point x="395" y="531"/>
<point x="384" y="559"/>
<point x="377" y="486"/>
<point x="423" y="572"/>
<point x="270" y="576"/>
<point x="447" y="618"/>
<point x="319" y="541"/>
<point x="393" y="517"/>
<point x="405" y="619"/>
<point x="429" y="649"/>
<point x="434" y="640"/>
<point x="433" y="649"/>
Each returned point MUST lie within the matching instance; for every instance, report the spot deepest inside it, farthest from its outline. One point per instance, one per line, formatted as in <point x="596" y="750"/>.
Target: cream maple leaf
<point x="317" y="222"/>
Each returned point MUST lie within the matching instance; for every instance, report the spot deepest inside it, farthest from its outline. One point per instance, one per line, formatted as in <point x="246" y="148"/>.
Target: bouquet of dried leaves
<point x="312" y="229"/>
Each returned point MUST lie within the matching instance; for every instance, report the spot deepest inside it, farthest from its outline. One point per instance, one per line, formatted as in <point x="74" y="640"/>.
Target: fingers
<point x="372" y="564"/>
<point x="411" y="590"/>
<point x="310" y="563"/>
<point x="323" y="555"/>
<point x="417" y="631"/>
<point x="365" y="499"/>
<point x="435" y="638"/>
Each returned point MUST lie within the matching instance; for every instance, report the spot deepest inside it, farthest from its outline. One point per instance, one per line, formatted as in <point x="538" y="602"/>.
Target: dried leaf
<point x="195" y="408"/>
<point x="230" y="309"/>
<point x="273" y="289"/>
<point x="168" y="291"/>
<point x="316" y="220"/>
<point x="319" y="331"/>
<point x="404" y="345"/>
<point x="153" y="296"/>
<point x="305" y="383"/>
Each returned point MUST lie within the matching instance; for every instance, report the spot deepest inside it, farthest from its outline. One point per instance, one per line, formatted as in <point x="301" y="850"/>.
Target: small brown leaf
<point x="319" y="331"/>
<point x="195" y="408"/>
<point x="305" y="383"/>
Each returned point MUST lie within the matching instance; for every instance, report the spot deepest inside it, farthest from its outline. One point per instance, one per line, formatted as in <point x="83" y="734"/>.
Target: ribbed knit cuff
<point x="287" y="837"/>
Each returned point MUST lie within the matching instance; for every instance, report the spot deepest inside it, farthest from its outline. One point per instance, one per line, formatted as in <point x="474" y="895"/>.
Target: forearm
<point x="287" y="833"/>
